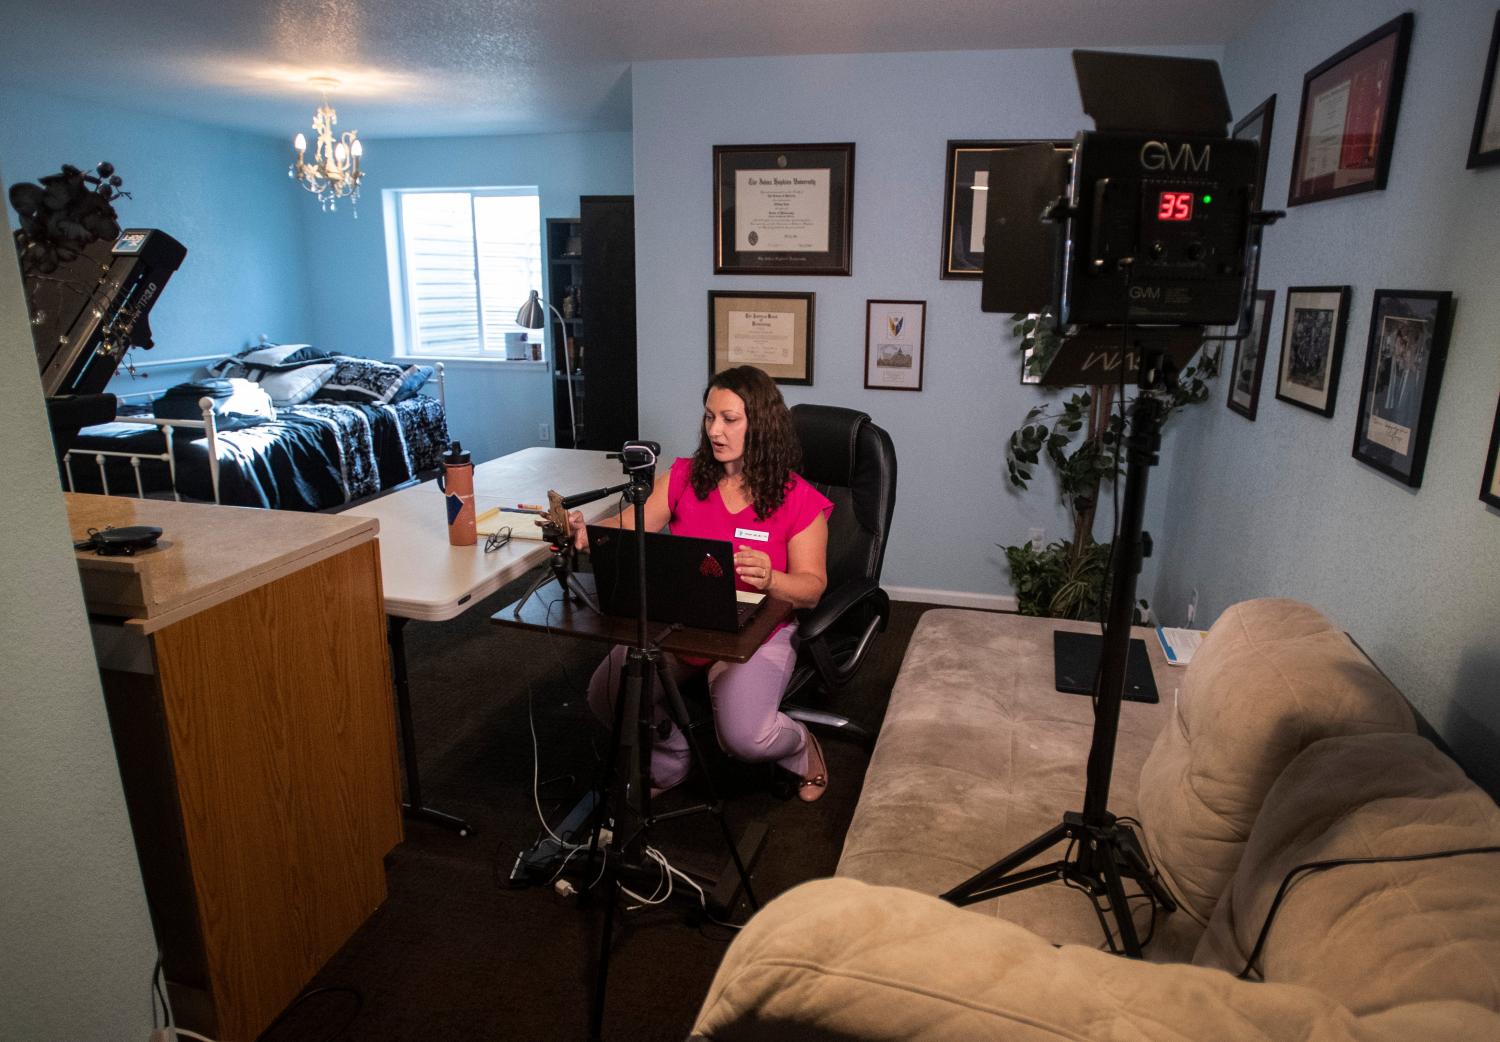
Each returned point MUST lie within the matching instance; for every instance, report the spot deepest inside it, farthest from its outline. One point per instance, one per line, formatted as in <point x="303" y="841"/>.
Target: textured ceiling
<point x="508" y="66"/>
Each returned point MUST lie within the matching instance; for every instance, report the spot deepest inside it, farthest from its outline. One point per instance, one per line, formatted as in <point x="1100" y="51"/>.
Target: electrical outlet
<point x="544" y="432"/>
<point x="1192" y="611"/>
<point x="1038" y="540"/>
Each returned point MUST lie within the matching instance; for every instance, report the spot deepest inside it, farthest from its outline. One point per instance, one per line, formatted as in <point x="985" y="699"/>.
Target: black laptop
<point x="688" y="580"/>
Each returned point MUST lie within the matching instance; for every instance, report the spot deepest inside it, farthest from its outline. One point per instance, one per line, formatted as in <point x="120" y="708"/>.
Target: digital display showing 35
<point x="1174" y="206"/>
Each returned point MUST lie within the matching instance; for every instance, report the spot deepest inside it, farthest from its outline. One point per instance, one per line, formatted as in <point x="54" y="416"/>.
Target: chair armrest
<point x="813" y="622"/>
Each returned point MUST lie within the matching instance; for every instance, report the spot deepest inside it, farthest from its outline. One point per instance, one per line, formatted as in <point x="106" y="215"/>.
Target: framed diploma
<point x="895" y="344"/>
<point x="771" y="331"/>
<point x="1484" y="147"/>
<point x="1347" y="123"/>
<point x="783" y="209"/>
<point x="1403" y="371"/>
<point x="966" y="195"/>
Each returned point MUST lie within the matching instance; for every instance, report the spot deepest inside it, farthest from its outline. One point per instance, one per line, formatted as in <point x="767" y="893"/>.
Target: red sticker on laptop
<point x="710" y="567"/>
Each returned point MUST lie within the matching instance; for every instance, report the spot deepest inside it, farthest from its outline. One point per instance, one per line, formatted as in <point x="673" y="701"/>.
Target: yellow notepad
<point x="522" y="523"/>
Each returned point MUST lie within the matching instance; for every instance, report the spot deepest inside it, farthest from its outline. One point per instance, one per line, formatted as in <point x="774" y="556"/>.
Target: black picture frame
<point x="1256" y="126"/>
<point x="1484" y="145"/>
<point x="722" y="304"/>
<point x="895" y="350"/>
<point x="1398" y="399"/>
<point x="1246" y="373"/>
<point x="1489" y="485"/>
<point x="788" y="215"/>
<point x="1359" y="89"/>
<point x="966" y="161"/>
<point x="1313" y="328"/>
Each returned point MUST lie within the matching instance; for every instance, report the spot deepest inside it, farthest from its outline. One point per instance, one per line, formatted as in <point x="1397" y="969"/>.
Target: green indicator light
<point x="1208" y="198"/>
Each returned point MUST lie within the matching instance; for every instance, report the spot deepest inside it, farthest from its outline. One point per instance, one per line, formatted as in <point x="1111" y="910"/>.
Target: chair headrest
<point x="829" y="435"/>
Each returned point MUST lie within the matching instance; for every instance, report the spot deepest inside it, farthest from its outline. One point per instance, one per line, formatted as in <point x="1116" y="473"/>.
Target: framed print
<point x="771" y="331"/>
<point x="965" y="195"/>
<point x="783" y="209"/>
<point x="1347" y="122"/>
<point x="1484" y="146"/>
<point x="1312" y="346"/>
<point x="1489" y="488"/>
<point x="1249" y="361"/>
<point x="895" y="344"/>
<point x="1403" y="370"/>
<point x="1257" y="127"/>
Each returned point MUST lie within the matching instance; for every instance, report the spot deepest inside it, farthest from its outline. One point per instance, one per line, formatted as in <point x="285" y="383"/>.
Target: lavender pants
<point x="746" y="697"/>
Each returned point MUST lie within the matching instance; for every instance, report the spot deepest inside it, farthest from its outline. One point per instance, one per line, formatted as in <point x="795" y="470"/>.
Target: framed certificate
<point x="1403" y="371"/>
<point x="1250" y="358"/>
<point x="966" y="195"/>
<point x="895" y="344"/>
<point x="771" y="331"/>
<point x="783" y="209"/>
<point x="1347" y="123"/>
<point x="1484" y="146"/>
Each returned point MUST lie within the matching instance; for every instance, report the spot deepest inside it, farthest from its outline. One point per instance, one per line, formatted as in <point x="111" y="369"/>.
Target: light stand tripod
<point x="1102" y="852"/>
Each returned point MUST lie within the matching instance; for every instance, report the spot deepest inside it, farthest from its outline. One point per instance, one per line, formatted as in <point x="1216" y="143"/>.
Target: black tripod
<point x="1102" y="852"/>
<point x="627" y="767"/>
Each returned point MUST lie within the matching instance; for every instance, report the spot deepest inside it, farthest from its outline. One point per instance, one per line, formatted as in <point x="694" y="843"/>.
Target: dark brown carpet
<point x="456" y="951"/>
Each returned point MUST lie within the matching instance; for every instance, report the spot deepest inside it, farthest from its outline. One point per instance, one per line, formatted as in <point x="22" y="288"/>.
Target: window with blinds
<point x="467" y="261"/>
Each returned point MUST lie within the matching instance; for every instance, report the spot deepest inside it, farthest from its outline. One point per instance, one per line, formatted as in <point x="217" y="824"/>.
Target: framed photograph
<point x="966" y="192"/>
<point x="1312" y="346"/>
<point x="1347" y="123"/>
<point x="1489" y="488"/>
<point x="895" y="341"/>
<point x="1257" y="127"/>
<point x="771" y="331"/>
<point x="1249" y="361"/>
<point x="1403" y="370"/>
<point x="783" y="209"/>
<point x="1484" y="147"/>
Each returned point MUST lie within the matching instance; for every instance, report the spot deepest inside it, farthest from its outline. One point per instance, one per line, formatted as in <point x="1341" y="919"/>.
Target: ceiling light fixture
<point x="334" y="173"/>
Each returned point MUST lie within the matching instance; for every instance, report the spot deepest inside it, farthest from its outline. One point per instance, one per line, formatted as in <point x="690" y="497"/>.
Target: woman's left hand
<point x="753" y="567"/>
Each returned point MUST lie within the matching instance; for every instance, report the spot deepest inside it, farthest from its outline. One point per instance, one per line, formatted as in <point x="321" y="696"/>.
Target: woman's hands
<point x="753" y="567"/>
<point x="579" y="529"/>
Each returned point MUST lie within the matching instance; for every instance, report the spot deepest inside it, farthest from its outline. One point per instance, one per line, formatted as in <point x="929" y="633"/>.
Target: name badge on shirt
<point x="750" y="533"/>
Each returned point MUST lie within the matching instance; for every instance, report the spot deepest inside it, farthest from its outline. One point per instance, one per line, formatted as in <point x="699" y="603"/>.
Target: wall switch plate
<point x="544" y="432"/>
<point x="1037" y="540"/>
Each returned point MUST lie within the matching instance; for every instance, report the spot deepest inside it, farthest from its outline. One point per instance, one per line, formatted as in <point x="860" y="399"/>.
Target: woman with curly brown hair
<point x="740" y="486"/>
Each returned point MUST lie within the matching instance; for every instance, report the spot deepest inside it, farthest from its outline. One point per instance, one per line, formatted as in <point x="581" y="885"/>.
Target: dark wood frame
<point x="715" y="364"/>
<point x="730" y="159"/>
<point x="921" y="344"/>
<point x="1335" y="365"/>
<point x="1490" y="465"/>
<point x="1263" y="115"/>
<point x="963" y="264"/>
<point x="1400" y="27"/>
<point x="1442" y="324"/>
<point x="1487" y="98"/>
<point x="1248" y="412"/>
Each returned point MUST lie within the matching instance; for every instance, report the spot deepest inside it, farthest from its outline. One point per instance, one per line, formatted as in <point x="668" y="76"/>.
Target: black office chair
<point x="852" y="462"/>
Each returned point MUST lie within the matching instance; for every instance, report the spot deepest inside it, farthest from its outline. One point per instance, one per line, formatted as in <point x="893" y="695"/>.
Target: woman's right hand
<point x="580" y="531"/>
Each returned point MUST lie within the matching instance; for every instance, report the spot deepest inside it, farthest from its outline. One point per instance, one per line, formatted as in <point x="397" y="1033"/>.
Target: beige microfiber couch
<point x="1279" y="745"/>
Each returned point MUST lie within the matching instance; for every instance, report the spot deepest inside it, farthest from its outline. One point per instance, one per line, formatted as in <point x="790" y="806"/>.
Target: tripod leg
<point x="540" y="581"/>
<point x="1108" y="867"/>
<point x="982" y="884"/>
<point x="1139" y="869"/>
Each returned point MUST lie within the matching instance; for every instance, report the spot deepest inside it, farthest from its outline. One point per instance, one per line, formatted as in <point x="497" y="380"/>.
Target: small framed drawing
<point x="1249" y="361"/>
<point x="1312" y="346"/>
<point x="895" y="344"/>
<point x="1257" y="127"/>
<point x="1489" y="488"/>
<point x="1347" y="123"/>
<point x="1484" y="146"/>
<point x="783" y="209"/>
<point x="771" y="331"/>
<point x="1403" y="370"/>
<point x="966" y="192"/>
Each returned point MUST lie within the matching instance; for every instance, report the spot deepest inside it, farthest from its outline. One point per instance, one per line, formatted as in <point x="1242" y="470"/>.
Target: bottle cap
<point x="456" y="457"/>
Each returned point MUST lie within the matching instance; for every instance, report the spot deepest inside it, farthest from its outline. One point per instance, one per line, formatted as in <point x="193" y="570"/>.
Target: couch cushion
<point x="1272" y="677"/>
<point x="1371" y="936"/>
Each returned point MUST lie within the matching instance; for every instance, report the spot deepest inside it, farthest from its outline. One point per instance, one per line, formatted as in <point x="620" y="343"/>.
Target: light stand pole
<point x="533" y="315"/>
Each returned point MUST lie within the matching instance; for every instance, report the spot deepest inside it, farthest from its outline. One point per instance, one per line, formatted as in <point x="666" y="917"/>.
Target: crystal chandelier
<point x="334" y="172"/>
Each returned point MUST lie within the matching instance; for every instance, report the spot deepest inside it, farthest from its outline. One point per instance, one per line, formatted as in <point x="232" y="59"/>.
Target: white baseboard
<point x="953" y="598"/>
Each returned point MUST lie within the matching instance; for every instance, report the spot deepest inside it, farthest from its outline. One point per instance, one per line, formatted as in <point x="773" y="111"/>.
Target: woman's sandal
<point x="813" y="787"/>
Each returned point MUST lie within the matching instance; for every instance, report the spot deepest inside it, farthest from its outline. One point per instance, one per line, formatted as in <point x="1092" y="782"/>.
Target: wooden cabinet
<point x="591" y="280"/>
<point x="248" y="685"/>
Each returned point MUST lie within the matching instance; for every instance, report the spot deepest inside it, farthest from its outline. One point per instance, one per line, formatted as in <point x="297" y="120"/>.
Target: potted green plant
<point x="1078" y="434"/>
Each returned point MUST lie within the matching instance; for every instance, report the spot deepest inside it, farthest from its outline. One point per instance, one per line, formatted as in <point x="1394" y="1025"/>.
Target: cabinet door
<point x="609" y="403"/>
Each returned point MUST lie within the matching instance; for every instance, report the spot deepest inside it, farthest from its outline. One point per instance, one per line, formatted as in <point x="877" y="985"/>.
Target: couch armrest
<point x="837" y="959"/>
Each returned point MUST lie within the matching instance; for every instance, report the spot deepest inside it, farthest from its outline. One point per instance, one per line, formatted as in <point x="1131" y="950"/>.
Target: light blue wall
<point x="222" y="193"/>
<point x="1278" y="506"/>
<point x="492" y="409"/>
<point x="953" y="505"/>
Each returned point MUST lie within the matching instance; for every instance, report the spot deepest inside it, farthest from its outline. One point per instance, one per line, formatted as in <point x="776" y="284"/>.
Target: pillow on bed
<point x="295" y="386"/>
<point x="362" y="380"/>
<point x="281" y="356"/>
<point x="413" y="379"/>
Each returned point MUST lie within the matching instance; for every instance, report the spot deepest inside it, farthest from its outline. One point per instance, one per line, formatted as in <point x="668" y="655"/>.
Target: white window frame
<point x="401" y="314"/>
